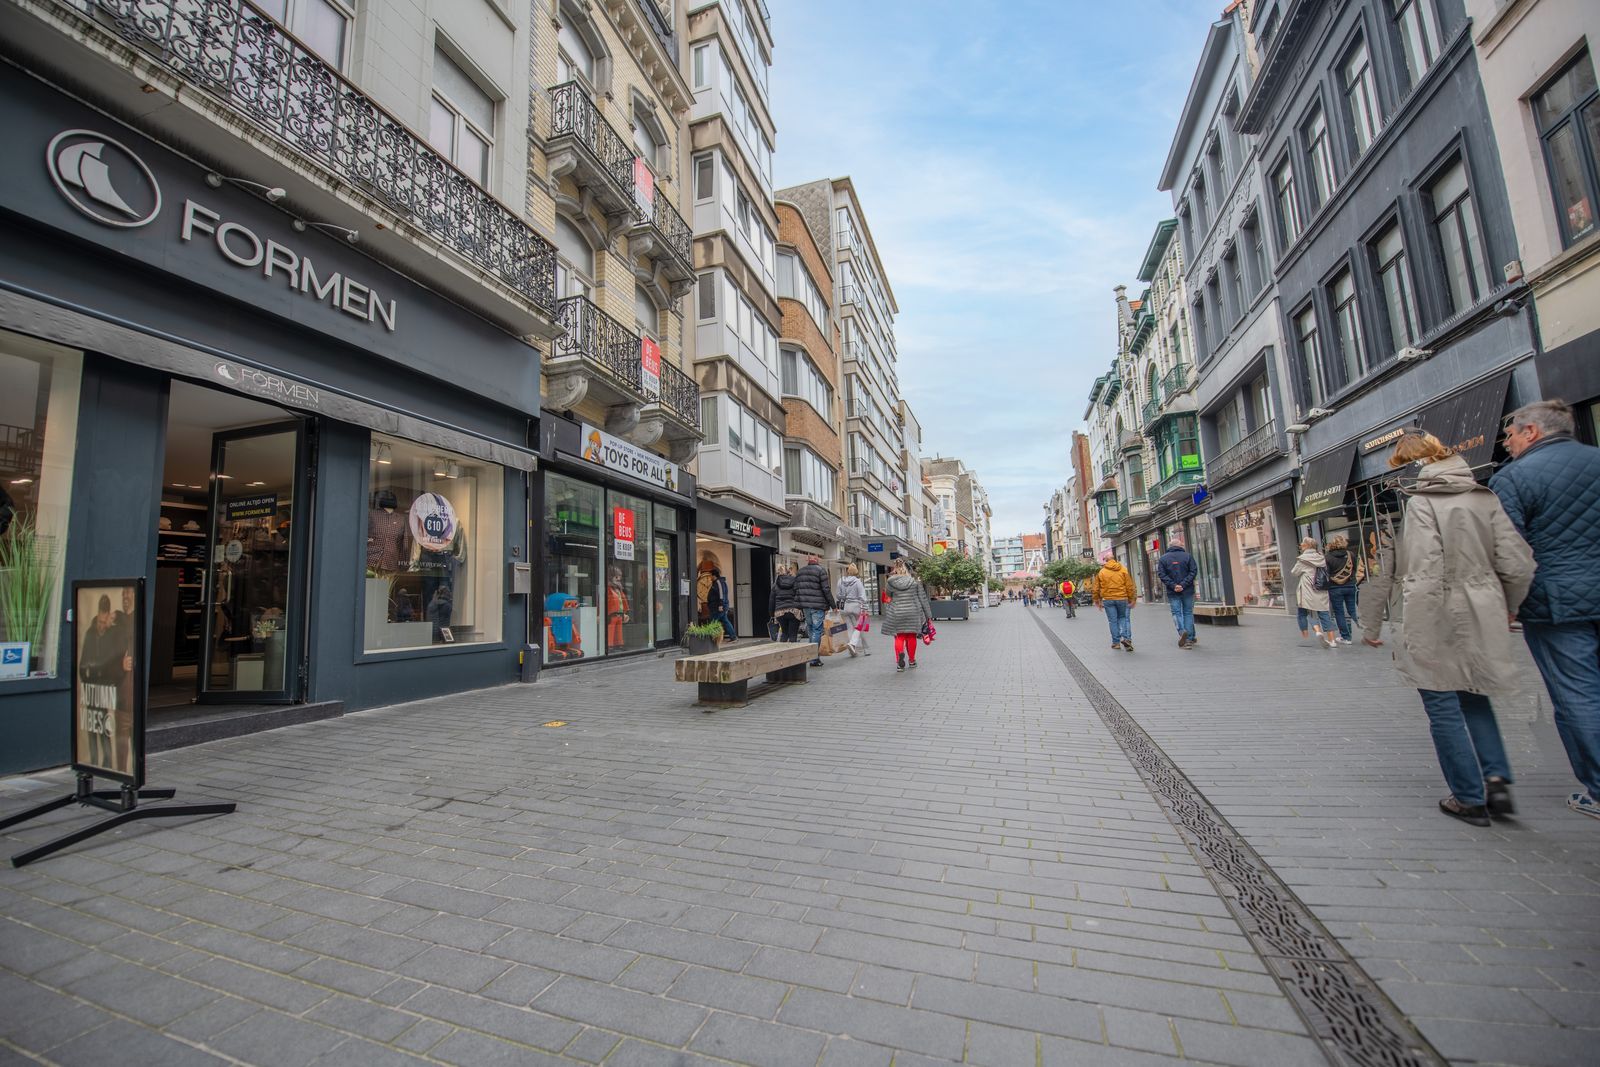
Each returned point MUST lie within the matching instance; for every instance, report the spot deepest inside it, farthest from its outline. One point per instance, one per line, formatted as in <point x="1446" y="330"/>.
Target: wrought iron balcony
<point x="586" y="146"/>
<point x="680" y="394"/>
<point x="1175" y="483"/>
<point x="598" y="341"/>
<point x="1259" y="445"/>
<point x="660" y="234"/>
<point x="1175" y="380"/>
<point x="1108" y="467"/>
<point x="1152" y="408"/>
<point x="234" y="52"/>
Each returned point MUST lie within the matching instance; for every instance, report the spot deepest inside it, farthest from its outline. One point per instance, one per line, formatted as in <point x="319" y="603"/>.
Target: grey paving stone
<point x="802" y="968"/>
<point x="684" y="945"/>
<point x="650" y="974"/>
<point x="123" y="1042"/>
<point x="478" y="1050"/>
<point x="270" y="1037"/>
<point x="710" y="988"/>
<point x="902" y="1028"/>
<point x="141" y="994"/>
<point x="65" y="1020"/>
<point x="287" y="994"/>
<point x="519" y="1025"/>
<point x="1008" y="1007"/>
<point x="652" y="1018"/>
<point x="362" y="1018"/>
<point x="466" y="971"/>
<point x="592" y="1046"/>
<point x="761" y="1044"/>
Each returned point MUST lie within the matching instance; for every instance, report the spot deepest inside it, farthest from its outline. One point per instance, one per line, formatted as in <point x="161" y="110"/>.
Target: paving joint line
<point x="1353" y="1021"/>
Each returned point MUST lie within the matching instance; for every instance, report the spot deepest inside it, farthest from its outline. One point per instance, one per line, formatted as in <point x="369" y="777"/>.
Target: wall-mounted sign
<point x="644" y="186"/>
<point x="259" y="506"/>
<point x="650" y="366"/>
<point x="1372" y="444"/>
<point x="103" y="179"/>
<point x="874" y="546"/>
<point x="613" y="453"/>
<point x="622" y="524"/>
<point x="940" y="547"/>
<point x="1189" y="462"/>
<point x="745" y="527"/>
<point x="14" y="658"/>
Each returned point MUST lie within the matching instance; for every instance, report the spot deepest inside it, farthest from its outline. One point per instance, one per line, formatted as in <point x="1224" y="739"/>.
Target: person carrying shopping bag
<point x="1114" y="594"/>
<point x="852" y="597"/>
<point x="1459" y="572"/>
<point x="811" y="587"/>
<point x="785" y="604"/>
<point x="909" y="611"/>
<point x="1343" y="579"/>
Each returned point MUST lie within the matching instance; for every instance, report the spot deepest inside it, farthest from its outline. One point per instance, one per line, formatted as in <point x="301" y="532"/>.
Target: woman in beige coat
<point x="1459" y="570"/>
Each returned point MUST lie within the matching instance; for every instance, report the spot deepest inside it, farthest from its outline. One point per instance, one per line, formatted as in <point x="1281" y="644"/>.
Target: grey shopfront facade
<point x="200" y="308"/>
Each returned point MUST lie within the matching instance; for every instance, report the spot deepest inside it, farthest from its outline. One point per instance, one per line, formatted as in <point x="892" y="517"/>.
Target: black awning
<point x="1469" y="421"/>
<point x="1323" y="480"/>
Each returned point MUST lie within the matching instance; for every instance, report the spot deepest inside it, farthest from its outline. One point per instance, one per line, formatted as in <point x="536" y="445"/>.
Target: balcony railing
<point x="680" y="394"/>
<point x="1259" y="444"/>
<point x="1152" y="408"/>
<point x="236" y="53"/>
<point x="600" y="341"/>
<point x="573" y="114"/>
<point x="669" y="226"/>
<point x="849" y="294"/>
<point x="1108" y="467"/>
<point x="1175" y="380"/>
<point x="1173" y="482"/>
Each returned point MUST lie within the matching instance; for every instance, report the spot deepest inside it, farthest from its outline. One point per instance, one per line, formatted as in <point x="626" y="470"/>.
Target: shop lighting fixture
<point x="385" y="457"/>
<point x="273" y="193"/>
<point x="255" y="483"/>
<point x="328" y="227"/>
<point x="441" y="467"/>
<point x="455" y="470"/>
<point x="223" y="477"/>
<point x="22" y="481"/>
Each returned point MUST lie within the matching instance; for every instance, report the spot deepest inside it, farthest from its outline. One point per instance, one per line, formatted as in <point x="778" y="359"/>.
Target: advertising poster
<point x="650" y="366"/>
<point x="108" y="671"/>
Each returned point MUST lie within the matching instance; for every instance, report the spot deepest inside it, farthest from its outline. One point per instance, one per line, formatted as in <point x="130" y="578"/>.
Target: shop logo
<point x="103" y="179"/>
<point x="227" y="373"/>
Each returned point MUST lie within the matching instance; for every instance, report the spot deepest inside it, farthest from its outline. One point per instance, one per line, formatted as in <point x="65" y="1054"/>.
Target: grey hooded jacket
<point x="908" y="606"/>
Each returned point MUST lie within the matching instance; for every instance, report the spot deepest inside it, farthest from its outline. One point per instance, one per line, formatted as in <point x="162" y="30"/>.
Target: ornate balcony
<point x="1152" y="409"/>
<point x="660" y="235"/>
<point x="1258" y="446"/>
<point x="1175" y="484"/>
<point x="268" y="106"/>
<point x="589" y="149"/>
<point x="597" y="358"/>
<point x="672" y="417"/>
<point x="1108" y="467"/>
<point x="1175" y="380"/>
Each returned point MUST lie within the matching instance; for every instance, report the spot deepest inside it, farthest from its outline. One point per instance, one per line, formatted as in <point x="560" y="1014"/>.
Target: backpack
<point x="1319" y="579"/>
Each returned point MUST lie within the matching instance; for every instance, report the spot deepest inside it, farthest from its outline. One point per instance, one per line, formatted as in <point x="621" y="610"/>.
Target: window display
<point x="572" y="569"/>
<point x="630" y="621"/>
<point x="1203" y="547"/>
<point x="38" y="438"/>
<point x="1257" y="564"/>
<point x="434" y="547"/>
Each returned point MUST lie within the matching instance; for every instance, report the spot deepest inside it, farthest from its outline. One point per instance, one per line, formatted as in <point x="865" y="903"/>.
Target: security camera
<point x="1318" y="413"/>
<point x="1412" y="352"/>
<point x="1297" y="428"/>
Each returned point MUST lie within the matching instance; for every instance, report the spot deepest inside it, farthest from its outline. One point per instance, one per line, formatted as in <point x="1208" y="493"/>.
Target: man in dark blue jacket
<point x="1177" y="571"/>
<point x="816" y="599"/>
<point x="1551" y="490"/>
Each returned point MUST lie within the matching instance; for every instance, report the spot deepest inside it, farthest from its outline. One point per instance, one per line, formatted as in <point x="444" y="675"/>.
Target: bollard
<point x="528" y="663"/>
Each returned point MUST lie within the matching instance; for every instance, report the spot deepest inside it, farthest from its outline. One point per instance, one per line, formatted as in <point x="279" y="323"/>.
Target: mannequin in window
<point x="617" y="608"/>
<point x="560" y="630"/>
<point x="388" y="535"/>
<point x="439" y="567"/>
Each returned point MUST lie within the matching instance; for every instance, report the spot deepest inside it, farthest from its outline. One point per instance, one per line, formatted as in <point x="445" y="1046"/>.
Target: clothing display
<point x="388" y="540"/>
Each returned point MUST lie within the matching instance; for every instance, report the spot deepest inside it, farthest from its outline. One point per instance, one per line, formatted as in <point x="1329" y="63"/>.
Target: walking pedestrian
<point x="1177" y="571"/>
<point x="1114" y="593"/>
<point x="1343" y="582"/>
<point x="811" y="589"/>
<point x="785" y="604"/>
<point x="908" y="612"/>
<point x="1311" y="595"/>
<point x="718" y="607"/>
<point x="852" y="597"/>
<point x="1551" y="492"/>
<point x="1459" y="570"/>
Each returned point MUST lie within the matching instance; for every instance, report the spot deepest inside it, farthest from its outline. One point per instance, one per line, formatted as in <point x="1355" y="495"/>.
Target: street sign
<point x="874" y="546"/>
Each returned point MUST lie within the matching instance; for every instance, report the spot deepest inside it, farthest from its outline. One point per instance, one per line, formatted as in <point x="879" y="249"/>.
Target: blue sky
<point x="1007" y="164"/>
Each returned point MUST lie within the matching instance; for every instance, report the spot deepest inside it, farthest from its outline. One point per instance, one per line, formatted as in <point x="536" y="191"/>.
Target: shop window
<point x="572" y="570"/>
<point x="1568" y="114"/>
<point x="435" y="530"/>
<point x="1257" y="563"/>
<point x="39" y="384"/>
<point x="629" y="532"/>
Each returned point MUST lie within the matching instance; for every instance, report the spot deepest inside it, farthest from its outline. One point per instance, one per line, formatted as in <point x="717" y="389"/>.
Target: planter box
<point x="701" y="646"/>
<point x="952" y="609"/>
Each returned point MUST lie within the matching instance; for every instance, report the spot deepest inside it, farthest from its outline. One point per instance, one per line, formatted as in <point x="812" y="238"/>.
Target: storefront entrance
<point x="229" y="572"/>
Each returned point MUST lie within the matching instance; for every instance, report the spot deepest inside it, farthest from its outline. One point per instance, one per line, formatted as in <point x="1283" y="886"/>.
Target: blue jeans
<point x="1467" y="740"/>
<point x="1182" y="607"/>
<point x="727" y="623"/>
<point x="1120" y="618"/>
<point x="814" y="619"/>
<point x="1342" y="598"/>
<point x="1324" y="620"/>
<point x="1568" y="655"/>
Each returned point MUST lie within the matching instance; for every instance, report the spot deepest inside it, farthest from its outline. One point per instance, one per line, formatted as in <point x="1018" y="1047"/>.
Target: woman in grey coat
<point x="1458" y="572"/>
<point x="908" y="611"/>
<point x="852" y="598"/>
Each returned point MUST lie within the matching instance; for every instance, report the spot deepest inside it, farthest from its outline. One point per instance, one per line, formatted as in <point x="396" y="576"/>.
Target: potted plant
<point x="703" y="638"/>
<point x="946" y="575"/>
<point x="27" y="582"/>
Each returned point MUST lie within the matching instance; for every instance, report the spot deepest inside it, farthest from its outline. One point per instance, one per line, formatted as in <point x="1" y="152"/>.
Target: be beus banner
<point x="613" y="453"/>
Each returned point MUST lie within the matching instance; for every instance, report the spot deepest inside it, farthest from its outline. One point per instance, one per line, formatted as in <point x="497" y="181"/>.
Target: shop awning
<point x="1323" y="481"/>
<point x="1469" y="421"/>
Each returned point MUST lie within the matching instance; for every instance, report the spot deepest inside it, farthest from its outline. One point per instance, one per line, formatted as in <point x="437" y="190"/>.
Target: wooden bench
<point x="1219" y="614"/>
<point x="723" y="676"/>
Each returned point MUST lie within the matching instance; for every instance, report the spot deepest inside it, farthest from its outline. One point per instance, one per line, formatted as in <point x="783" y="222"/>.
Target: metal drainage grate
<point x="1356" y="1024"/>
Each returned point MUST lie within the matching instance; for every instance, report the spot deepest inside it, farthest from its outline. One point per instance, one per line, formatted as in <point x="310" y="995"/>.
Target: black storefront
<point x="319" y="467"/>
<point x="613" y="532"/>
<point x="745" y="548"/>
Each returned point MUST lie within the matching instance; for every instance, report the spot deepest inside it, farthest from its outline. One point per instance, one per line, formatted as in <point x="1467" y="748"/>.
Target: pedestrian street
<point x="993" y="859"/>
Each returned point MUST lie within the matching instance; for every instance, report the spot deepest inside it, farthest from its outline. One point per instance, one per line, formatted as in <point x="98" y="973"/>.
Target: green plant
<point x="1075" y="571"/>
<point x="704" y="629"/>
<point x="950" y="572"/>
<point x="28" y="570"/>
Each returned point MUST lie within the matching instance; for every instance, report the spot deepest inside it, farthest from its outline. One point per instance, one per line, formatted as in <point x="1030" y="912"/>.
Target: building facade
<point x="622" y="417"/>
<point x="737" y="317"/>
<point x="1393" y="247"/>
<point x="1536" y="60"/>
<point x="270" y="348"/>
<point x="1241" y="374"/>
<point x="874" y="439"/>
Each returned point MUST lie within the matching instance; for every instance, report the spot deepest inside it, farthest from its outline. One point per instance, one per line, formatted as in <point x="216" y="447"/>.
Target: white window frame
<point x="460" y="122"/>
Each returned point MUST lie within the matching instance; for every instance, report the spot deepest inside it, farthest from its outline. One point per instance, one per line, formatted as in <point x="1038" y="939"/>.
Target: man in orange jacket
<point x="1114" y="594"/>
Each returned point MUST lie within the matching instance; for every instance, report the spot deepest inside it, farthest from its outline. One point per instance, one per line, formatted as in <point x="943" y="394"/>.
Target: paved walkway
<point x="957" y="863"/>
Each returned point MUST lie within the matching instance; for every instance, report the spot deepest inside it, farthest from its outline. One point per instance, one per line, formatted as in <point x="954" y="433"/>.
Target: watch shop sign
<point x="624" y="457"/>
